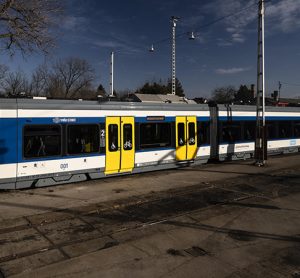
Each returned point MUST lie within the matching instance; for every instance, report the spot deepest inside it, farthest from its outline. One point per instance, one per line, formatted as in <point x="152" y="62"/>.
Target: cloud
<point x="74" y="22"/>
<point x="231" y="70"/>
<point x="116" y="45"/>
<point x="238" y="37"/>
<point x="242" y="14"/>
<point x="280" y="16"/>
<point x="191" y="21"/>
<point x="222" y="42"/>
<point x="283" y="16"/>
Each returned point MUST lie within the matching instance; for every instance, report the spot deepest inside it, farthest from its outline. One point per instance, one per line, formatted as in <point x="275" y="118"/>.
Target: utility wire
<point x="290" y="84"/>
<point x="208" y="24"/>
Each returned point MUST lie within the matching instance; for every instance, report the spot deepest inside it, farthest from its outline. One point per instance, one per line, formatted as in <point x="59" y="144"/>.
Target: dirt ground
<point x="217" y="220"/>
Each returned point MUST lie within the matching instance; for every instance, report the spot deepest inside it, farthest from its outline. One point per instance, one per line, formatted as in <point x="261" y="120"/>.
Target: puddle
<point x="241" y="236"/>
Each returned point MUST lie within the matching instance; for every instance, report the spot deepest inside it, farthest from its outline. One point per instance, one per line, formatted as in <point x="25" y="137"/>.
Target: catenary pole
<point x="111" y="74"/>
<point x="261" y="140"/>
<point x="174" y="19"/>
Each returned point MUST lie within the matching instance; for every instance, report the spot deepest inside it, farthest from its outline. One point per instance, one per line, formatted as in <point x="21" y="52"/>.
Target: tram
<point x="49" y="142"/>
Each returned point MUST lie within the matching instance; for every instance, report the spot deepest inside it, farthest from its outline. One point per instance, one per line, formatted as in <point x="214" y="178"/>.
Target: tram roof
<point x="21" y="103"/>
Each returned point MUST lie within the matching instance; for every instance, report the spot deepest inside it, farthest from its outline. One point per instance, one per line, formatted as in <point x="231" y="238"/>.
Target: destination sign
<point x="155" y="118"/>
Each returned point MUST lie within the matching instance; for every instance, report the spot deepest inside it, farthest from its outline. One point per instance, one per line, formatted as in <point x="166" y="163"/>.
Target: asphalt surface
<point x="217" y="220"/>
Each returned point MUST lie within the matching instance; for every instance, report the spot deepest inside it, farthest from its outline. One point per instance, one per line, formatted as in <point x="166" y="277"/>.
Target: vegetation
<point x="69" y="78"/>
<point x="224" y="94"/>
<point x="26" y="24"/>
<point x="230" y="94"/>
<point x="244" y="95"/>
<point x="160" y="88"/>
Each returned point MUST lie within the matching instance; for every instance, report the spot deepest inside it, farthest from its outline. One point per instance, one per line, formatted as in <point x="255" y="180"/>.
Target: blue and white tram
<point x="237" y="127"/>
<point x="48" y="142"/>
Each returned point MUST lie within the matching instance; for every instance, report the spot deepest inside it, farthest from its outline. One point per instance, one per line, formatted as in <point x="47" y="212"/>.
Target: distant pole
<point x="261" y="140"/>
<point x="279" y="88"/>
<point x="174" y="19"/>
<point x="111" y="74"/>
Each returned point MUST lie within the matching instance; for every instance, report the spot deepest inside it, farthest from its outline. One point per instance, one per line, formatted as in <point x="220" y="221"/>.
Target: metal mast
<point x="111" y="74"/>
<point x="174" y="19"/>
<point x="261" y="140"/>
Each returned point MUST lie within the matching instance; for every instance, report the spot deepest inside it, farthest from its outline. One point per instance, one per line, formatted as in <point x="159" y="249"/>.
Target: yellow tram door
<point x="186" y="138"/>
<point x="120" y="145"/>
<point x="128" y="144"/>
<point x="191" y="126"/>
<point x="113" y="151"/>
<point x="181" y="148"/>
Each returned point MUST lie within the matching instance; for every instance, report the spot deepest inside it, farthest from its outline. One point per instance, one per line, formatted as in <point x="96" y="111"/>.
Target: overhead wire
<point x="290" y="84"/>
<point x="208" y="24"/>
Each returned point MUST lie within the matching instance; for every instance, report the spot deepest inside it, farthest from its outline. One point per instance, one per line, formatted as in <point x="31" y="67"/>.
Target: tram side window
<point x="192" y="135"/>
<point x="113" y="137"/>
<point x="203" y="133"/>
<point x="297" y="129"/>
<point x="41" y="141"/>
<point x="284" y="129"/>
<point x="127" y="137"/>
<point x="249" y="130"/>
<point x="83" y="139"/>
<point x="155" y="135"/>
<point x="231" y="132"/>
<point x="181" y="134"/>
<point x="271" y="130"/>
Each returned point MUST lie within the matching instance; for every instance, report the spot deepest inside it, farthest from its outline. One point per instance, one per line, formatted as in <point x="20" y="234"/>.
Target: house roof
<point x="169" y="98"/>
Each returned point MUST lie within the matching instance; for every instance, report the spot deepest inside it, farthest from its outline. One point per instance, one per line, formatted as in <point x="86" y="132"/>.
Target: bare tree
<point x="3" y="74"/>
<point x="3" y="71"/>
<point x="71" y="76"/>
<point x="40" y="81"/>
<point x="224" y="94"/>
<point x="25" y="24"/>
<point x="16" y="84"/>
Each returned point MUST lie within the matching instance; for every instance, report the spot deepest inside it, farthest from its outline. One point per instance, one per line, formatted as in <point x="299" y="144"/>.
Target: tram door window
<point x="186" y="147"/>
<point x="120" y="145"/>
<point x="181" y="134"/>
<point x="192" y="134"/>
<point x="113" y="135"/>
<point x="127" y="137"/>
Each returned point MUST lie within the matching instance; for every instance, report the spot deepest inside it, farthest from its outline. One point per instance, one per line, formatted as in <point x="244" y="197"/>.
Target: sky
<point x="224" y="53"/>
